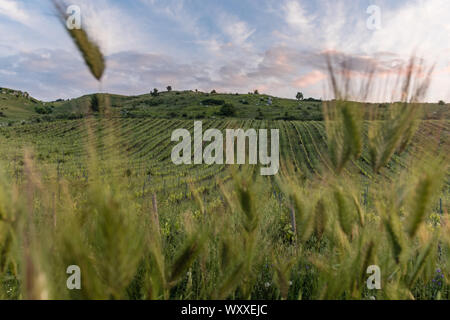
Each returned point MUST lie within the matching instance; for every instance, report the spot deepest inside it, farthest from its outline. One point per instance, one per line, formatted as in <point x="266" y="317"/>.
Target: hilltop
<point x="198" y="105"/>
<point x="20" y="106"/>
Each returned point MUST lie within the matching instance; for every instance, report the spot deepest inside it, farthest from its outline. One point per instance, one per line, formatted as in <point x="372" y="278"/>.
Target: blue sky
<point x="276" y="46"/>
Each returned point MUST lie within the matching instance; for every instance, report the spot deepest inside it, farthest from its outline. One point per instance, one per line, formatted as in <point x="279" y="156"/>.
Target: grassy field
<point x="102" y="193"/>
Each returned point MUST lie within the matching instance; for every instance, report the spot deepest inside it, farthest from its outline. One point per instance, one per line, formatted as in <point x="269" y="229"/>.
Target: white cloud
<point x="421" y="25"/>
<point x="236" y="30"/>
<point x="14" y="11"/>
<point x="278" y="48"/>
<point x="297" y="16"/>
<point x="111" y="27"/>
<point x="414" y="27"/>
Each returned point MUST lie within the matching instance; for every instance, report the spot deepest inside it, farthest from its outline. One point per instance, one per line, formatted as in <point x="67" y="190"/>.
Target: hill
<point x="199" y="105"/>
<point x="16" y="105"/>
<point x="19" y="106"/>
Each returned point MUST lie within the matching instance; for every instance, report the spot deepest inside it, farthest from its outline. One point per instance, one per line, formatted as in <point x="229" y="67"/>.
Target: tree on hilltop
<point x="154" y="93"/>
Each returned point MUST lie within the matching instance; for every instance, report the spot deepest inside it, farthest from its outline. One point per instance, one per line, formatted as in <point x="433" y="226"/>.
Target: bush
<point x="213" y="102"/>
<point x="227" y="110"/>
<point x="43" y="110"/>
<point x="154" y="93"/>
<point x="313" y="100"/>
<point x="153" y="102"/>
<point x="69" y="116"/>
<point x="441" y="103"/>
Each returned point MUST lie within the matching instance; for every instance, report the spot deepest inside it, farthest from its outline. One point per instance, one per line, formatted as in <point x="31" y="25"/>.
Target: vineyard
<point x="133" y="184"/>
<point x="141" y="152"/>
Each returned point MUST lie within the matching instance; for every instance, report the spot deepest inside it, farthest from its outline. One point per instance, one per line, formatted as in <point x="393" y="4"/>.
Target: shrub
<point x="213" y="102"/>
<point x="227" y="110"/>
<point x="153" y="102"/>
<point x="43" y="109"/>
<point x="154" y="93"/>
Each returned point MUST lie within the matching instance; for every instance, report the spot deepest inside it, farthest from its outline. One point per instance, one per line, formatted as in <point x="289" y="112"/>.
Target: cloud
<point x="224" y="46"/>
<point x="236" y="30"/>
<point x="297" y="17"/>
<point x="12" y="10"/>
<point x="112" y="28"/>
<point x="310" y="78"/>
<point x="46" y="74"/>
<point x="51" y="74"/>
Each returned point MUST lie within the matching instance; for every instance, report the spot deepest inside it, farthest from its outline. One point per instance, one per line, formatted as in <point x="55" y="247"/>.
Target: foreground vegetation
<point x="101" y="193"/>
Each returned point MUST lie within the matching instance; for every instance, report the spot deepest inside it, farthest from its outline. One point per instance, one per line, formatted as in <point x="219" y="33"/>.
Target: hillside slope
<point x="17" y="105"/>
<point x="198" y="105"/>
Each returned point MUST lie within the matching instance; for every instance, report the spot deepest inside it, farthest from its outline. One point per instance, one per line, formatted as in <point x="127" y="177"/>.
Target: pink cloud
<point x="310" y="79"/>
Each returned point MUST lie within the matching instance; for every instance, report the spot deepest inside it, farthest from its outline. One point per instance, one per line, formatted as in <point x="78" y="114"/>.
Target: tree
<point x="256" y="91"/>
<point x="154" y="93"/>
<point x="169" y="88"/>
<point x="441" y="103"/>
<point x="213" y="92"/>
<point x="299" y="96"/>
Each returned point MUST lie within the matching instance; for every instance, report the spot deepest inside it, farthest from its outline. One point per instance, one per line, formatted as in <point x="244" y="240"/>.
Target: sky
<point x="276" y="46"/>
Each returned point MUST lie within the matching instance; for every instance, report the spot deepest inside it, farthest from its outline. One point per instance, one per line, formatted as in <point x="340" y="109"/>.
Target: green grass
<point x="236" y="229"/>
<point x="14" y="108"/>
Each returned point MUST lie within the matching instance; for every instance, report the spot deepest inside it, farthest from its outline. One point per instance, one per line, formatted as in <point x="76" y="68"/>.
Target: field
<point x="103" y="194"/>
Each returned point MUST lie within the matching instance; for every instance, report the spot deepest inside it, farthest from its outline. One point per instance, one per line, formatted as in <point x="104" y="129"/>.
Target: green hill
<point x="19" y="106"/>
<point x="16" y="105"/>
<point x="198" y="105"/>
